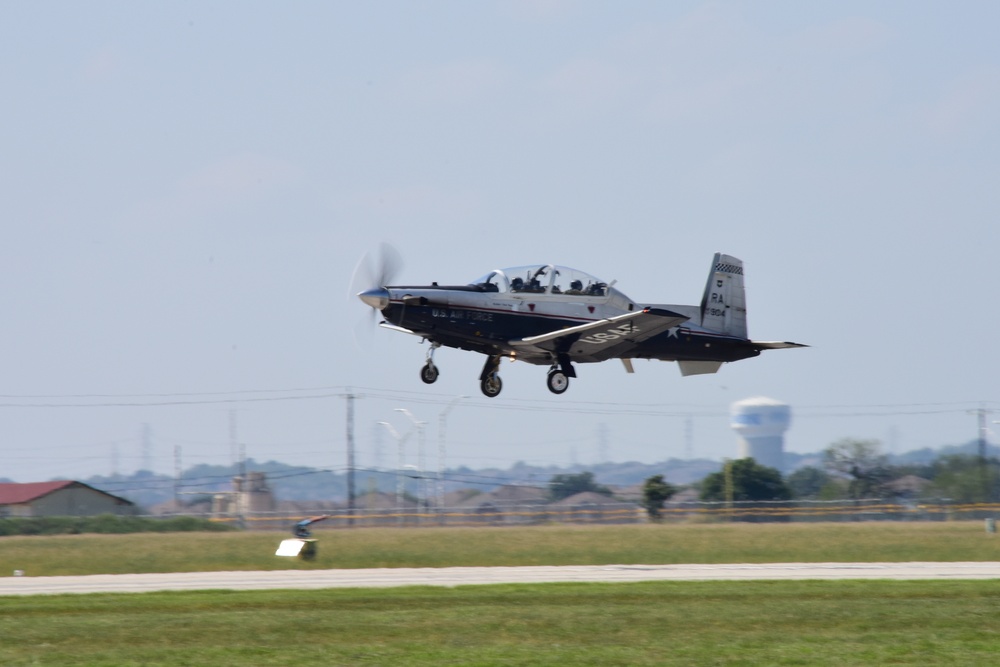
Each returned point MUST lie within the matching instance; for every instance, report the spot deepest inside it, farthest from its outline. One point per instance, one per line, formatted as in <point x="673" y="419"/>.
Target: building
<point x="250" y="495"/>
<point x="61" y="498"/>
<point x="761" y="424"/>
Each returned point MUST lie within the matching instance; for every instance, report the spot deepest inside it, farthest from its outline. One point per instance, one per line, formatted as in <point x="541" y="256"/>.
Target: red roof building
<point x="60" y="498"/>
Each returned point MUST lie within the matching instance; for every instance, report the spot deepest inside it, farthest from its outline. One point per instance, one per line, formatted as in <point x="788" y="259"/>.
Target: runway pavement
<point x="460" y="576"/>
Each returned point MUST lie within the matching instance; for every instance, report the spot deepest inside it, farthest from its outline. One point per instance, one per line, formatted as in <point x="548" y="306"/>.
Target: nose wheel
<point x="429" y="373"/>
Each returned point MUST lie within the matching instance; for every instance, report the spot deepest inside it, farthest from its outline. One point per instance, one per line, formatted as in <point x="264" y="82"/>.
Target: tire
<point x="557" y="382"/>
<point x="491" y="386"/>
<point x="429" y="373"/>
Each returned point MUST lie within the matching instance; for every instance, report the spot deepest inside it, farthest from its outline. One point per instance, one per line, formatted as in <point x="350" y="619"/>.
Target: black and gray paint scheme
<point x="556" y="316"/>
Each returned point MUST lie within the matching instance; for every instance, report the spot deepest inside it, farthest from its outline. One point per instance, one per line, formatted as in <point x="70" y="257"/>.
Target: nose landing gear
<point x="429" y="372"/>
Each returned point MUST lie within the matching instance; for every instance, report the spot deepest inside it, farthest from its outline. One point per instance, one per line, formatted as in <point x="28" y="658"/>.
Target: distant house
<point x="506" y="504"/>
<point x="62" y="498"/>
<point x="594" y="507"/>
<point x="508" y="495"/>
<point x="908" y="486"/>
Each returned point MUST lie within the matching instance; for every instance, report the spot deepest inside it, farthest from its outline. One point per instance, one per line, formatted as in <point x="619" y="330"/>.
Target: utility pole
<point x="688" y="437"/>
<point x="350" y="457"/>
<point x="177" y="478"/>
<point x="729" y="490"/>
<point x="233" y="446"/>
<point x="147" y="448"/>
<point x="602" y="443"/>
<point x="984" y="478"/>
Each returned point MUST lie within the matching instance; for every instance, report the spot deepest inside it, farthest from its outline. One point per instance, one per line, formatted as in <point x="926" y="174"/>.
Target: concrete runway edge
<point x="464" y="576"/>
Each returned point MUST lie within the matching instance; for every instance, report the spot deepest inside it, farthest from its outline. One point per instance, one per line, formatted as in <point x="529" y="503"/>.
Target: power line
<point x="685" y="411"/>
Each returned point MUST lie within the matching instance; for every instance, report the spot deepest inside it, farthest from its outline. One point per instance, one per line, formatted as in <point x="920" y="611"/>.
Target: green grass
<point x="539" y="545"/>
<point x="663" y="623"/>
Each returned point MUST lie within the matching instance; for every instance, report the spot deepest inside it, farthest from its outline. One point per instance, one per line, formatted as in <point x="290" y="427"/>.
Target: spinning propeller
<point x="374" y="271"/>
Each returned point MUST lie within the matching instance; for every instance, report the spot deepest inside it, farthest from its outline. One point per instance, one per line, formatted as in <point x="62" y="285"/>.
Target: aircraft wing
<point x="603" y="339"/>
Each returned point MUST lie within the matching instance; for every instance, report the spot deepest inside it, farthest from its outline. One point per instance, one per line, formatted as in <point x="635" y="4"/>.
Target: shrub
<point x="107" y="524"/>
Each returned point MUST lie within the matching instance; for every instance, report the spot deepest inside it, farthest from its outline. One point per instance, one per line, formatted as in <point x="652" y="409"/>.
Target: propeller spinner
<point x="371" y="275"/>
<point x="376" y="297"/>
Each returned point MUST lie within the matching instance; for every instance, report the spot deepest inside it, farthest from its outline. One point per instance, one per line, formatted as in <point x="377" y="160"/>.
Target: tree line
<point x="851" y="469"/>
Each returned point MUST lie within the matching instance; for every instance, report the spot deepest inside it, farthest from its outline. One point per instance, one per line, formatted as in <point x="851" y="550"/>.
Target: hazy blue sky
<point x="186" y="188"/>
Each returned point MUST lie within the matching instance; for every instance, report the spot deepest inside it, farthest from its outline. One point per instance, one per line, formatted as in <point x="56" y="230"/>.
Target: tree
<point x="750" y="481"/>
<point x="807" y="482"/>
<point x="963" y="478"/>
<point x="655" y="492"/>
<point x="862" y="463"/>
<point x="564" y="486"/>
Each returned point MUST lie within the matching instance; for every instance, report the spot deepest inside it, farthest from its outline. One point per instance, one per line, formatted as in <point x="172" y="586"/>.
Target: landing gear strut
<point x="429" y="372"/>
<point x="489" y="380"/>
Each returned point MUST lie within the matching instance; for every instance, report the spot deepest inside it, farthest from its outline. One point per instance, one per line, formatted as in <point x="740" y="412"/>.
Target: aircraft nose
<point x="376" y="297"/>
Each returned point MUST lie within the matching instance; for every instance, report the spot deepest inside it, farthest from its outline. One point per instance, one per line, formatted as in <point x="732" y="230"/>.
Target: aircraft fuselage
<point x="554" y="315"/>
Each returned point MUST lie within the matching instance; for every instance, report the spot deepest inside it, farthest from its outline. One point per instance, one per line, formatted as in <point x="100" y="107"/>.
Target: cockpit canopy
<point x="542" y="279"/>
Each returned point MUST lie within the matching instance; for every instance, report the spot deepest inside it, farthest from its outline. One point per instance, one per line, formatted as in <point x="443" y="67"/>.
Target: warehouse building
<point x="61" y="498"/>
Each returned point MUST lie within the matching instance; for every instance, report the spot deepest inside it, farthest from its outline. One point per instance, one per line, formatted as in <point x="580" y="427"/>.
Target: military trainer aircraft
<point x="556" y="316"/>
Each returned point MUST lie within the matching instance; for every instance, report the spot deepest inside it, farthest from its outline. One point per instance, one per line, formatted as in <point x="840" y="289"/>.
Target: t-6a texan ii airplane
<point x="556" y="316"/>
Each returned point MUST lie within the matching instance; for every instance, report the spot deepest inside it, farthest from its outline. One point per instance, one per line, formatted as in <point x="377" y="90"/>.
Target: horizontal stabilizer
<point x="699" y="367"/>
<point x="775" y="344"/>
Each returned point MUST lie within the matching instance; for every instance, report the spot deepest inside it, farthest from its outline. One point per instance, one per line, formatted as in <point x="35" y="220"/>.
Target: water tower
<point x="761" y="424"/>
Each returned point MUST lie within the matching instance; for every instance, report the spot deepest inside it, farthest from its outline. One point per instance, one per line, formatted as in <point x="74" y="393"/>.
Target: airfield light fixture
<point x="422" y="483"/>
<point x="442" y="453"/>
<point x="400" y="439"/>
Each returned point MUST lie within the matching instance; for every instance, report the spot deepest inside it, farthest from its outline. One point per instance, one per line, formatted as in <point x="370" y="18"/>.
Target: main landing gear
<point x="557" y="379"/>
<point x="489" y="380"/>
<point x="559" y="374"/>
<point x="490" y="383"/>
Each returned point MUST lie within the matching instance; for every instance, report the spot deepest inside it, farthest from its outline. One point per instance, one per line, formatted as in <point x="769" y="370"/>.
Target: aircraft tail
<point x="724" y="304"/>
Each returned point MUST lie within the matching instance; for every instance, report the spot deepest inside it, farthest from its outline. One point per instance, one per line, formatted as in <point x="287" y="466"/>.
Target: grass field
<point x="703" y="623"/>
<point x="662" y="623"/>
<point x="539" y="545"/>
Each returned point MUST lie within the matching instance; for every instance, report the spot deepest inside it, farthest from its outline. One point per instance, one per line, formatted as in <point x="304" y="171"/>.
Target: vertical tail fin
<point x="724" y="304"/>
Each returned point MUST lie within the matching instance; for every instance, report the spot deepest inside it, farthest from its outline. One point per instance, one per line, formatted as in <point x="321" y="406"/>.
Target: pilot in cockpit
<point x="535" y="285"/>
<point x="575" y="287"/>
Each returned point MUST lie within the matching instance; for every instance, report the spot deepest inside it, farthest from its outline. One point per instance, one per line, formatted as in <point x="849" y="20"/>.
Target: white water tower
<point x="761" y="424"/>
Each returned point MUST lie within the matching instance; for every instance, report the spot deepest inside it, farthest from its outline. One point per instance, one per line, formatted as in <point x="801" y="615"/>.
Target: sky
<point x="186" y="189"/>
